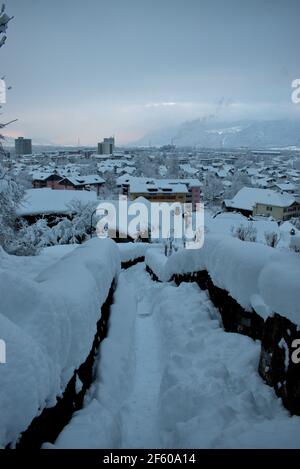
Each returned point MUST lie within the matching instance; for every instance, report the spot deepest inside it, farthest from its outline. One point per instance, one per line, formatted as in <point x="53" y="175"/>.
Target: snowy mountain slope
<point x="215" y="134"/>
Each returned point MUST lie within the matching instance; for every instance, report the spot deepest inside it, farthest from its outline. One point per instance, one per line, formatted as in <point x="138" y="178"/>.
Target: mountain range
<point x="216" y="134"/>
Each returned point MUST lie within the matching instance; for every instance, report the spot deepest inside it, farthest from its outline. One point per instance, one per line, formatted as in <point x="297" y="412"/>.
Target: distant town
<point x="260" y="184"/>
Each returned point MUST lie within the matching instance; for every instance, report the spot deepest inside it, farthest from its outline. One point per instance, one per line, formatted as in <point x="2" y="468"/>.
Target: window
<point x="269" y="208"/>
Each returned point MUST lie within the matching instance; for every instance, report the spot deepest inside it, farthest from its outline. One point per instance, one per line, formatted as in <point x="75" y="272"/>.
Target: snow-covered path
<point x="140" y="412"/>
<point x="169" y="376"/>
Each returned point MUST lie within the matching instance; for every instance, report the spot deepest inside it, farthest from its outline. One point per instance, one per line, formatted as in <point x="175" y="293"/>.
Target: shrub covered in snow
<point x="271" y="238"/>
<point x="245" y="232"/>
<point x="295" y="243"/>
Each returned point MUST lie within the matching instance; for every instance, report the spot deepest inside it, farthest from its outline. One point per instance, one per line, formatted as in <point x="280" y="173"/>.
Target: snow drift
<point x="48" y="325"/>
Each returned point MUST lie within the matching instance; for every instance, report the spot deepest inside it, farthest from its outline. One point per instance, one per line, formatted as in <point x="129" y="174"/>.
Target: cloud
<point x="162" y="104"/>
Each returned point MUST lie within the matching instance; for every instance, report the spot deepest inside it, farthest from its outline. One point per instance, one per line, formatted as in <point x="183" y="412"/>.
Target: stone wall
<point x="276" y="334"/>
<point x="47" y="426"/>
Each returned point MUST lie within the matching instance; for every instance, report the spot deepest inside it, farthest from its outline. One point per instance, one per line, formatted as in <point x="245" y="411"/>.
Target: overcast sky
<point x="94" y="68"/>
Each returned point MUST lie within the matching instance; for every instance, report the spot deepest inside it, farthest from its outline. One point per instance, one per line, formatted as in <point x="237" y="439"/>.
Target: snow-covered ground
<point x="169" y="376"/>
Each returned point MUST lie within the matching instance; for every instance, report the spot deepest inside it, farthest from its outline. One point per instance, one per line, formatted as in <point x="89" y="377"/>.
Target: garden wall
<point x="259" y="283"/>
<point x="48" y="425"/>
<point x="52" y="326"/>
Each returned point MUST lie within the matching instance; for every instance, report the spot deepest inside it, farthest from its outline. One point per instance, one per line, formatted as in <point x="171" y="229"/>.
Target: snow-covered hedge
<point x="48" y="325"/>
<point x="256" y="276"/>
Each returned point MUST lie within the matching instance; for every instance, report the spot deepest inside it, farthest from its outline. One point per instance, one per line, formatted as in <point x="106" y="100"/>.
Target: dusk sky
<point x="95" y="68"/>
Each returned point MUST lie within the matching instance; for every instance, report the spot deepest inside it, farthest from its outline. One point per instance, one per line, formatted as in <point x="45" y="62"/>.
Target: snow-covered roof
<point x="47" y="201"/>
<point x="85" y="180"/>
<point x="157" y="187"/>
<point x="188" y="169"/>
<point x="248" y="197"/>
<point x="287" y="186"/>
<point x="132" y="180"/>
<point x="41" y="175"/>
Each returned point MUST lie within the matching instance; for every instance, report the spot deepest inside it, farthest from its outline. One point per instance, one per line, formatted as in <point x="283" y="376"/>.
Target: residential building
<point x="41" y="180"/>
<point x="161" y="190"/>
<point x="264" y="202"/>
<point x="23" y="146"/>
<point x="59" y="182"/>
<point x="90" y="182"/>
<point x="51" y="204"/>
<point x="287" y="187"/>
<point x="107" y="146"/>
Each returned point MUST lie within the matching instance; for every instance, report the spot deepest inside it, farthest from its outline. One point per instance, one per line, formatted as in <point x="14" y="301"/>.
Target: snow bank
<point x="132" y="251"/>
<point x="235" y="265"/>
<point x="279" y="284"/>
<point x="257" y="276"/>
<point x="225" y="222"/>
<point x="186" y="261"/>
<point x="97" y="425"/>
<point x="48" y="325"/>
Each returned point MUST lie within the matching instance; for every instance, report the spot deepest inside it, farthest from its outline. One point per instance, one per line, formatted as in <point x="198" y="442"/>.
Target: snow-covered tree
<point x="212" y="188"/>
<point x="4" y="20"/>
<point x="10" y="196"/>
<point x="10" y="192"/>
<point x="238" y="181"/>
<point x="78" y="228"/>
<point x="30" y="239"/>
<point x="87" y="168"/>
<point x="109" y="190"/>
<point x="24" y="179"/>
<point x="173" y="166"/>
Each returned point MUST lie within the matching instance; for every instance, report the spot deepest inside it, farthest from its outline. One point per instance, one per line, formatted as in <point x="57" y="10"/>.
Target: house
<point x="264" y="202"/>
<point x="161" y="190"/>
<point x="287" y="187"/>
<point x="46" y="179"/>
<point x="75" y="183"/>
<point x="156" y="191"/>
<point x="59" y="182"/>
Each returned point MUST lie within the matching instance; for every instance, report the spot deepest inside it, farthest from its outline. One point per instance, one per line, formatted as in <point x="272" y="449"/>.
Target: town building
<point x="264" y="202"/>
<point x="106" y="147"/>
<point x="23" y="146"/>
<point x="161" y="190"/>
<point x="90" y="182"/>
<point x="51" y="204"/>
<point x="56" y="181"/>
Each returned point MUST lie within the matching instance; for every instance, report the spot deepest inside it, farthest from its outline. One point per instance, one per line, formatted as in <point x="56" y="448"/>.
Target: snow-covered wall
<point x="258" y="277"/>
<point x="131" y="252"/>
<point x="256" y="290"/>
<point x="48" y="325"/>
